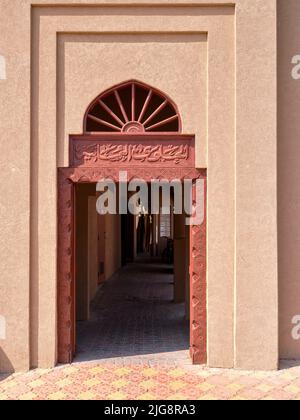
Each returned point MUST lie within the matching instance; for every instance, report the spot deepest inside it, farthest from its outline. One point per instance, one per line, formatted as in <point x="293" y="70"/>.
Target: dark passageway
<point x="134" y="315"/>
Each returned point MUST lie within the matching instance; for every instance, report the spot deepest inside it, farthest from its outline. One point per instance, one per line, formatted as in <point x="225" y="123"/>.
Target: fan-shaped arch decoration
<point x="132" y="108"/>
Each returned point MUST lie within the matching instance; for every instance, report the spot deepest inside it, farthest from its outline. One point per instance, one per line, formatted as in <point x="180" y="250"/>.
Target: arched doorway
<point x="135" y="129"/>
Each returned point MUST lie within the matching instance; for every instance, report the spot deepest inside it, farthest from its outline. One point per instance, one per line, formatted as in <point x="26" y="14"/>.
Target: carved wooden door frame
<point x="147" y="157"/>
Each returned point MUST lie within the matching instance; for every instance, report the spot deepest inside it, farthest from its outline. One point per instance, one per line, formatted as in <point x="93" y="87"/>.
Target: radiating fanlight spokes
<point x="121" y="106"/>
<point x="132" y="108"/>
<point x="110" y="112"/>
<point x="103" y="122"/>
<point x="146" y="104"/>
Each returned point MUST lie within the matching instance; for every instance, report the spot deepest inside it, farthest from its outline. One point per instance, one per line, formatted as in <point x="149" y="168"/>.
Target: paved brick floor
<point x="134" y="317"/>
<point x="149" y="357"/>
<point x="101" y="380"/>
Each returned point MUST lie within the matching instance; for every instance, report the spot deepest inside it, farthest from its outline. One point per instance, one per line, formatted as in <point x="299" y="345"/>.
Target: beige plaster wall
<point x="15" y="170"/>
<point x="93" y="255"/>
<point x="225" y="54"/>
<point x="84" y="222"/>
<point x="180" y="258"/>
<point x="184" y="22"/>
<point x="101" y="248"/>
<point x="107" y="60"/>
<point x="289" y="176"/>
<point x="256" y="269"/>
<point x="112" y="244"/>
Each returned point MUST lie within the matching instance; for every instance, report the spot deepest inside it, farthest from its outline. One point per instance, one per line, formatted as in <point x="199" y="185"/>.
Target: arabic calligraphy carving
<point x="128" y="153"/>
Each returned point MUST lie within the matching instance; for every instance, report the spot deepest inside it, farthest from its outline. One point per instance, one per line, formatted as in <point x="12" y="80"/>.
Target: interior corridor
<point x="134" y="318"/>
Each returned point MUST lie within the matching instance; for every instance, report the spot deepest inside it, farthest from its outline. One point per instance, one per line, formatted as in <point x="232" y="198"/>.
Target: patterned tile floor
<point x="141" y="353"/>
<point x="104" y="381"/>
<point x="134" y="317"/>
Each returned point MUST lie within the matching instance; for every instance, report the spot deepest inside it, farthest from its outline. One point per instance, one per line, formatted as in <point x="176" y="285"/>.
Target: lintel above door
<point x="147" y="150"/>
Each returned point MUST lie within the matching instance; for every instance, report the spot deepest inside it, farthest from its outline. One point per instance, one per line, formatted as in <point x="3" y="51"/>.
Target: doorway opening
<point x="135" y="129"/>
<point x="132" y="283"/>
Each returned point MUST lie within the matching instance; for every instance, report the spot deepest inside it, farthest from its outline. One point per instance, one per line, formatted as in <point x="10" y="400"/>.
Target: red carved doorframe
<point x="147" y="157"/>
<point x="198" y="286"/>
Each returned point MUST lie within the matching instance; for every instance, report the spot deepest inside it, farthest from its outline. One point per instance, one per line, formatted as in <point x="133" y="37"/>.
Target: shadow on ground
<point x="289" y="364"/>
<point x="6" y="367"/>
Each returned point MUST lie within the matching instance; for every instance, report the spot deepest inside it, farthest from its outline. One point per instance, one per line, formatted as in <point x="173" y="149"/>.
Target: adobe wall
<point x="289" y="176"/>
<point x="113" y="257"/>
<point x="77" y="52"/>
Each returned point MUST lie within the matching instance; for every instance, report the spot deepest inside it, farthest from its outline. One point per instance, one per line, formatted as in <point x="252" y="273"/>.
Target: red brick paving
<point x="142" y="353"/>
<point x="102" y="381"/>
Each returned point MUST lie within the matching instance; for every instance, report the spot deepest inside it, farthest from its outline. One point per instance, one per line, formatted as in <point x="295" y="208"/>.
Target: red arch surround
<point x="67" y="179"/>
<point x="129" y="139"/>
<point x="132" y="107"/>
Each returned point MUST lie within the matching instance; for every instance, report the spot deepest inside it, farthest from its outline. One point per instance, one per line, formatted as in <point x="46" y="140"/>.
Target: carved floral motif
<point x="198" y="285"/>
<point x="93" y="175"/>
<point x="198" y="294"/>
<point x="65" y="268"/>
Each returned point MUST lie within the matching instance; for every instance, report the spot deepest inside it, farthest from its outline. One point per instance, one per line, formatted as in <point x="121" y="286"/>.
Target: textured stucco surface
<point x="219" y="24"/>
<point x="288" y="176"/>
<point x="256" y="310"/>
<point x="237" y="46"/>
<point x="112" y="244"/>
<point x="110" y="59"/>
<point x="15" y="170"/>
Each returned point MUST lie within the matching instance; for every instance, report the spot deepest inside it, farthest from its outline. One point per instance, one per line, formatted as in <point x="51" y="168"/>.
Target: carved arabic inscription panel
<point x="159" y="151"/>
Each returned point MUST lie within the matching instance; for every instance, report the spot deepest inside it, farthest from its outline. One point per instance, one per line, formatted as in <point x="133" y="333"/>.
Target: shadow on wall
<point x="5" y="365"/>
